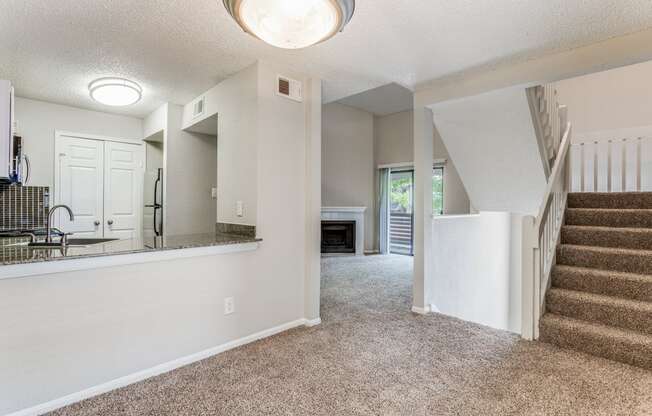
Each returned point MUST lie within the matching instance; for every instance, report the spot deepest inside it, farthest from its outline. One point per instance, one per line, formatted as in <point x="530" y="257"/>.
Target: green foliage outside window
<point x="438" y="191"/>
<point x="401" y="194"/>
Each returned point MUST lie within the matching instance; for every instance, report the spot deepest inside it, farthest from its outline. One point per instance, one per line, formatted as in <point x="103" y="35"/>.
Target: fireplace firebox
<point x="338" y="237"/>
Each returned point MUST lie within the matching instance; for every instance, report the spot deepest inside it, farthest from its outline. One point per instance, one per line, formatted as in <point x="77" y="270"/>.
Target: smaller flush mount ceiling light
<point x="291" y="24"/>
<point x="116" y="92"/>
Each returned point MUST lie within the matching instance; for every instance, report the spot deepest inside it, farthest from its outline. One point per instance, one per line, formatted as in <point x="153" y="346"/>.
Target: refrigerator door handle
<point x="156" y="232"/>
<point x="158" y="180"/>
<point x="157" y="206"/>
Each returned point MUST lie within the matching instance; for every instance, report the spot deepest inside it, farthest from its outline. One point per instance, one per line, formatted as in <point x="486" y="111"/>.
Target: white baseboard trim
<point x="159" y="369"/>
<point x="421" y="311"/>
<point x="312" y="322"/>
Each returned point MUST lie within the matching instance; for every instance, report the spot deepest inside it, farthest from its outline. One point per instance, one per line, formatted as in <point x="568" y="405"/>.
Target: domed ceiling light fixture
<point x="291" y="24"/>
<point x="116" y="92"/>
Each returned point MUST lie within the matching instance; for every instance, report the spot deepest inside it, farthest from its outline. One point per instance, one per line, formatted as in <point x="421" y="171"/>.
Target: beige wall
<point x="394" y="144"/>
<point x="156" y="121"/>
<point x="609" y="100"/>
<point x="66" y="332"/>
<point x="394" y="138"/>
<point x="267" y="145"/>
<point x="236" y="102"/>
<point x="348" y="162"/>
<point x="190" y="174"/>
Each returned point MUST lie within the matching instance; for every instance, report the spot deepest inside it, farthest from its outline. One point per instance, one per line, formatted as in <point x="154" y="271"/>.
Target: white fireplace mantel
<point x="348" y="214"/>
<point x="355" y="210"/>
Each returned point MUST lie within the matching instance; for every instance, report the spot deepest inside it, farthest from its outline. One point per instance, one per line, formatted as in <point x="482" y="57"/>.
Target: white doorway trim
<point x="58" y="133"/>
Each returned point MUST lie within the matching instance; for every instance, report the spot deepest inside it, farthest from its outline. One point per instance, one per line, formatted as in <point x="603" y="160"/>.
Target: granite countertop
<point x="14" y="250"/>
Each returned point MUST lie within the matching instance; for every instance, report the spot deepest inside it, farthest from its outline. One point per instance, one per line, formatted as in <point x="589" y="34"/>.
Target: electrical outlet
<point x="229" y="306"/>
<point x="239" y="209"/>
<point x="214" y="193"/>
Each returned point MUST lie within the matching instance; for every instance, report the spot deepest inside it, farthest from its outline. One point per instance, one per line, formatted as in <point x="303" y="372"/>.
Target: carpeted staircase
<point x="601" y="296"/>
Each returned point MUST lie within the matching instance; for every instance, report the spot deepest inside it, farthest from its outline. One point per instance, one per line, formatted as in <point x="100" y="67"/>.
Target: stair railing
<point x="609" y="165"/>
<point x="549" y="120"/>
<point x="541" y="235"/>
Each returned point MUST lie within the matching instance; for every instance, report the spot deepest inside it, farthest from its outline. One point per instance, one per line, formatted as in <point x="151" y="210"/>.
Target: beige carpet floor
<point x="371" y="356"/>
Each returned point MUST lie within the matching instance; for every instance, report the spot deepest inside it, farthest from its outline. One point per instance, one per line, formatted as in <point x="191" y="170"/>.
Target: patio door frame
<point x="401" y="169"/>
<point x="408" y="166"/>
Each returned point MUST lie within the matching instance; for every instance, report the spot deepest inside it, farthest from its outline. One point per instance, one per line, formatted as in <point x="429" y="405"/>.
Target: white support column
<point x="313" y="202"/>
<point x="423" y="150"/>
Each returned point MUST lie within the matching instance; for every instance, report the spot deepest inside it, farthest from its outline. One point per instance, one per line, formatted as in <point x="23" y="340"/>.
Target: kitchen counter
<point x="15" y="251"/>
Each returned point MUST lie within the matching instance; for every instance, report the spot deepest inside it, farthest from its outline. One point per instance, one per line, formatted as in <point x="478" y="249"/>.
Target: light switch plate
<point x="229" y="306"/>
<point x="214" y="193"/>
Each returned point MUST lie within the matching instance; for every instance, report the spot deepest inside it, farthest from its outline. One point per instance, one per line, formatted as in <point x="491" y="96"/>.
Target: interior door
<point x="123" y="190"/>
<point x="79" y="179"/>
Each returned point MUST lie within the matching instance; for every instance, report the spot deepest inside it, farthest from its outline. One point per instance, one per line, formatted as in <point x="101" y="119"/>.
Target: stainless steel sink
<point x="73" y="242"/>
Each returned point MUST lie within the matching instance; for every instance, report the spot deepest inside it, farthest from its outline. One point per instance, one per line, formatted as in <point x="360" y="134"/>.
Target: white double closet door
<point x="102" y="182"/>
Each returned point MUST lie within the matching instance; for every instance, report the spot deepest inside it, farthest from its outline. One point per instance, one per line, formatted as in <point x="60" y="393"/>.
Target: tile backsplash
<point x="23" y="207"/>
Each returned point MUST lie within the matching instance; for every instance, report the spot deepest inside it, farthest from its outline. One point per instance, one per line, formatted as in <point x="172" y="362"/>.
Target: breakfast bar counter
<point x="16" y="251"/>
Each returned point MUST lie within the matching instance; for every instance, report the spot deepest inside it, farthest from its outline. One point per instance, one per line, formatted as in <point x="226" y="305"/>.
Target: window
<point x="438" y="190"/>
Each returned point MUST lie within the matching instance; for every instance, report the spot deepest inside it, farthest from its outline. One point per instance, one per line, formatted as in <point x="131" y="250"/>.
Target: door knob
<point x="97" y="223"/>
<point x="110" y="222"/>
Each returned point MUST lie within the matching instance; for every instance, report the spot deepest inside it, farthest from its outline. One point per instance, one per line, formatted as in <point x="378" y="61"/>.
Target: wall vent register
<point x="198" y="107"/>
<point x="289" y="88"/>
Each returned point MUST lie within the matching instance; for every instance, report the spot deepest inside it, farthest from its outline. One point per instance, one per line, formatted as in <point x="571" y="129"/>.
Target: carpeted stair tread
<point x="615" y="344"/>
<point x="605" y="258"/>
<point x="602" y="217"/>
<point x="606" y="310"/>
<point x="603" y="282"/>
<point x="600" y="300"/>
<point x="632" y="238"/>
<point x="613" y="200"/>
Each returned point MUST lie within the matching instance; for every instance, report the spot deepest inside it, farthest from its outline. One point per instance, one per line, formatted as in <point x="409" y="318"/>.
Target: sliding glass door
<point x="401" y="214"/>
<point x="398" y="211"/>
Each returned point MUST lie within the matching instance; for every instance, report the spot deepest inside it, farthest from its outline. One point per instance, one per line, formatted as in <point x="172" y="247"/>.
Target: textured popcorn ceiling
<point x="176" y="49"/>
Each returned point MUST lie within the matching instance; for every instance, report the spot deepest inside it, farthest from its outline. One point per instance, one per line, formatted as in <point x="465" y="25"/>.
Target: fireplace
<point x="338" y="237"/>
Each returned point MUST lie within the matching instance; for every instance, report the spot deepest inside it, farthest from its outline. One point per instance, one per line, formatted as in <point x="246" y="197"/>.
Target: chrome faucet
<point x="48" y="235"/>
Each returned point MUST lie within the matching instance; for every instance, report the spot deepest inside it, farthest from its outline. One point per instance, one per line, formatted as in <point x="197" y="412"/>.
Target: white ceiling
<point x="177" y="49"/>
<point x="381" y="101"/>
